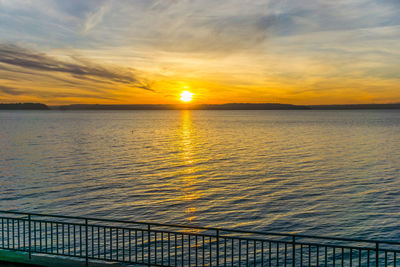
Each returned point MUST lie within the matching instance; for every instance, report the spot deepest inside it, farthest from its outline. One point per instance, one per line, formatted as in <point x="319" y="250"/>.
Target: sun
<point x="186" y="96"/>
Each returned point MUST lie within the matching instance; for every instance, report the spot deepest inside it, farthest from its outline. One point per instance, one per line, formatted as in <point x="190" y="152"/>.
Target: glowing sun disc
<point x="186" y="96"/>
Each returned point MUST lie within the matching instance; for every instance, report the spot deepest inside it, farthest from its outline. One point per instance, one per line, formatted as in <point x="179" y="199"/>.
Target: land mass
<point x="355" y="106"/>
<point x="230" y="106"/>
<point x="24" y="106"/>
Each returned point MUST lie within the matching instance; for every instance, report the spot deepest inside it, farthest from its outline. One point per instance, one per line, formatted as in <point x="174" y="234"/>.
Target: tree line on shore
<point x="230" y="106"/>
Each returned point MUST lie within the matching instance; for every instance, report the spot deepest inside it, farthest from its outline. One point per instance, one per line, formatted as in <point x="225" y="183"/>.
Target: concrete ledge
<point x="21" y="259"/>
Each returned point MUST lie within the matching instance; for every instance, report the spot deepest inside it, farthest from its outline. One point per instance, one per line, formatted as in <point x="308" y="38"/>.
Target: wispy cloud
<point x="292" y="49"/>
<point x="95" y="17"/>
<point x="77" y="67"/>
<point x="10" y="90"/>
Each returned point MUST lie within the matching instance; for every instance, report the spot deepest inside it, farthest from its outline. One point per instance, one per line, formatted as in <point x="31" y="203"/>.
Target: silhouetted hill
<point x="252" y="106"/>
<point x="24" y="106"/>
<point x="231" y="106"/>
<point x="355" y="106"/>
<point x="114" y="107"/>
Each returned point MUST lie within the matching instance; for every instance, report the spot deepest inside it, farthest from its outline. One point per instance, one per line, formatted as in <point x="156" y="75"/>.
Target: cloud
<point x="76" y="67"/>
<point x="94" y="18"/>
<point x="306" y="44"/>
<point x="216" y="27"/>
<point x="10" y="90"/>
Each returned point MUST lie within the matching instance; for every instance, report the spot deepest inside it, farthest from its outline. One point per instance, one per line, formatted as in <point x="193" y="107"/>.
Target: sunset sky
<point x="223" y="51"/>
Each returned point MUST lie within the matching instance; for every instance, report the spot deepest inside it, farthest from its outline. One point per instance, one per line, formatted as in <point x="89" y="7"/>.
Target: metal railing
<point x="156" y="244"/>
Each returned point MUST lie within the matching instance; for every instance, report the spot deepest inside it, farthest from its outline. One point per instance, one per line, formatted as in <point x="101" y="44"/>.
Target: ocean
<point x="334" y="173"/>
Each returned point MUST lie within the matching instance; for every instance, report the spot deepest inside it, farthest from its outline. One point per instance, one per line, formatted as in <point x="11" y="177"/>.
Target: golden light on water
<point x="188" y="180"/>
<point x="186" y="96"/>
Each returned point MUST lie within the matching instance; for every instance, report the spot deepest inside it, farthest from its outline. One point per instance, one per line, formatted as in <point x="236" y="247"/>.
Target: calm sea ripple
<point x="331" y="173"/>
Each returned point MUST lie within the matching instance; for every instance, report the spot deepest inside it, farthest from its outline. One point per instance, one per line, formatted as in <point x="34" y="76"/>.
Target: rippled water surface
<point x="316" y="172"/>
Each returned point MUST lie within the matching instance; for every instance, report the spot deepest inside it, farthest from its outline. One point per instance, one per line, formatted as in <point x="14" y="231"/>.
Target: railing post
<point x="29" y="236"/>
<point x="218" y="248"/>
<point x="33" y="231"/>
<point x="86" y="244"/>
<point x="293" y="251"/>
<point x="149" y="245"/>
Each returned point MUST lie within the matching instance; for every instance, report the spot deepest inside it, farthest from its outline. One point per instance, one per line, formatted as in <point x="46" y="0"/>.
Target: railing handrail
<point x="203" y="228"/>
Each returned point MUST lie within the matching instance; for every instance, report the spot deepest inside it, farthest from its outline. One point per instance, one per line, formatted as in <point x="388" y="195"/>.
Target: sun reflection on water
<point x="316" y="172"/>
<point x="190" y="194"/>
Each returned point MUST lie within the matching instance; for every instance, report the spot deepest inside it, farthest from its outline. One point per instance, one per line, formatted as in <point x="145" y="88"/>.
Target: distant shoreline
<point x="230" y="106"/>
<point x="24" y="106"/>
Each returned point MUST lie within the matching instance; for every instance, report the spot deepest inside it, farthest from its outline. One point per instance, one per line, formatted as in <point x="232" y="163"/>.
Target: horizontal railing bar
<point x="72" y="223"/>
<point x="89" y="257"/>
<point x="124" y="261"/>
<point x="38" y="220"/>
<point x="128" y="262"/>
<point x="15" y="249"/>
<point x="180" y="233"/>
<point x="55" y="222"/>
<point x="115" y="227"/>
<point x="247" y="239"/>
<point x="223" y="236"/>
<point x="255" y="239"/>
<point x="43" y="252"/>
<point x="344" y="247"/>
<point x="204" y="228"/>
<point x="60" y="254"/>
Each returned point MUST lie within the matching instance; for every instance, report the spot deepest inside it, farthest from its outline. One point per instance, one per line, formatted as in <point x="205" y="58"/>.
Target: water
<point x="330" y="173"/>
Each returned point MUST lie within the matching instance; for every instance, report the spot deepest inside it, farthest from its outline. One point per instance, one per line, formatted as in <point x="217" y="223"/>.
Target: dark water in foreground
<point x="316" y="172"/>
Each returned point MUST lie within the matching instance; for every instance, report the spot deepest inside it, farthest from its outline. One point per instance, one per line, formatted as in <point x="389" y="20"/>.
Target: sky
<point x="223" y="51"/>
